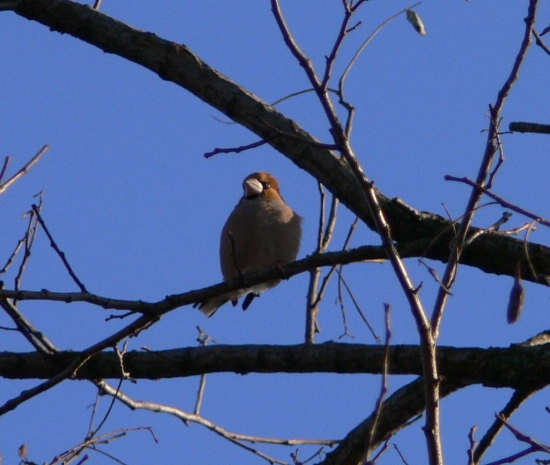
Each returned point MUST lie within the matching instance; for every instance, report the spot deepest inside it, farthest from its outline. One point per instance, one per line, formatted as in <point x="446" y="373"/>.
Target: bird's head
<point x="261" y="185"/>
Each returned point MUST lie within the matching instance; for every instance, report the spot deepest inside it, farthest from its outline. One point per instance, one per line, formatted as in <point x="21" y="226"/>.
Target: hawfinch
<point x="261" y="232"/>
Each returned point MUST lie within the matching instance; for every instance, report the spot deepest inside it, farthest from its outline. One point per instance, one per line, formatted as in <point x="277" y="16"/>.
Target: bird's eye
<point x="266" y="185"/>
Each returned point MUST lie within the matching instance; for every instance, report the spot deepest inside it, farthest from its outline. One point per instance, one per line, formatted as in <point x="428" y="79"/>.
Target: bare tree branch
<point x="33" y="161"/>
<point x="527" y="367"/>
<point x="500" y="200"/>
<point x="515" y="402"/>
<point x="4" y="167"/>
<point x="38" y="340"/>
<point x="491" y="149"/>
<point x="58" y="251"/>
<point x="541" y="44"/>
<point x="404" y="405"/>
<point x="530" y="127"/>
<point x="235" y="438"/>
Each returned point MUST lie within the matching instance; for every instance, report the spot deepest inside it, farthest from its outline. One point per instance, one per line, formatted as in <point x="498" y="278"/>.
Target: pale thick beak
<point x="252" y="188"/>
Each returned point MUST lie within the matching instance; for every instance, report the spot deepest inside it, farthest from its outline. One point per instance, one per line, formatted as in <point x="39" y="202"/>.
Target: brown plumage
<point x="262" y="231"/>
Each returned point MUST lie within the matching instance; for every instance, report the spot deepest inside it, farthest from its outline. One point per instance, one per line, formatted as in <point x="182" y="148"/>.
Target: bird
<point x="262" y="231"/>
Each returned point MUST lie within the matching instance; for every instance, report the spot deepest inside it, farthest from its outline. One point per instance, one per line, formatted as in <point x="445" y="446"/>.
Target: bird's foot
<point x="248" y="299"/>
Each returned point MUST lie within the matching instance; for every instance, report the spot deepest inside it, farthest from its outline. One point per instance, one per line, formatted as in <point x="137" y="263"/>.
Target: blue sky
<point x="137" y="209"/>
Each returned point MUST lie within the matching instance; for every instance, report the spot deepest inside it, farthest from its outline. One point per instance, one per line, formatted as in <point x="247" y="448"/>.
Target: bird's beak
<point x="253" y="188"/>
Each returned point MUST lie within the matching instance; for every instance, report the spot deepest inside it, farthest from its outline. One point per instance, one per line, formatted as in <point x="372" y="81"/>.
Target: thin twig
<point x="316" y="454"/>
<point x="534" y="445"/>
<point x="331" y="224"/>
<point x="59" y="252"/>
<point x="300" y="139"/>
<point x="203" y="339"/>
<point x="4" y="167"/>
<point x="92" y="443"/>
<point x="514" y="457"/>
<point x="328" y="276"/>
<point x="95" y="406"/>
<point x="524" y="438"/>
<point x="384" y="382"/>
<point x="350" y="108"/>
<point x="235" y="438"/>
<point x="240" y="149"/>
<point x="500" y="160"/>
<point x="301" y="92"/>
<point x="344" y="313"/>
<point x="330" y="60"/>
<point x="312" y="308"/>
<point x="400" y="454"/>
<point x="24" y="326"/>
<point x="380" y="452"/>
<point x="198" y="419"/>
<point x="340" y="270"/>
<point x="92" y="433"/>
<point x="6" y="328"/>
<point x="365" y="43"/>
<point x="358" y="308"/>
<point x="324" y="237"/>
<point x="24" y="170"/>
<point x="513" y="404"/>
<point x="473" y="445"/>
<point x="500" y="200"/>
<point x="503" y="219"/>
<point x="530" y="228"/>
<point x="433" y="274"/>
<point x="322" y="215"/>
<point x="11" y="258"/>
<point x="541" y="44"/>
<point x="292" y="95"/>
<point x="30" y="236"/>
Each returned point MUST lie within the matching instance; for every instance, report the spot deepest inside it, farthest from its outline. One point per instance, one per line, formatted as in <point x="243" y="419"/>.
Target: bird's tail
<point x="210" y="306"/>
